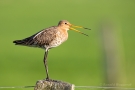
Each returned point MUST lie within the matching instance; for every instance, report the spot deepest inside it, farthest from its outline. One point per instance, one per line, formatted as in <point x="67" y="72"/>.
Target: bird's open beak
<point x="72" y="27"/>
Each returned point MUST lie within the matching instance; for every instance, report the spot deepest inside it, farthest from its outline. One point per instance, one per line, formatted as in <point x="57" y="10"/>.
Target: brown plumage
<point x="49" y="38"/>
<point x="41" y="39"/>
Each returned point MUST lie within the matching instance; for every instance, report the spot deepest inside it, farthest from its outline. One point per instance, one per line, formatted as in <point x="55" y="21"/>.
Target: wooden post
<point x="53" y="85"/>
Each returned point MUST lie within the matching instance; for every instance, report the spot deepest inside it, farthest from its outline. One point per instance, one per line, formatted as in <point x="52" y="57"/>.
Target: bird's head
<point x="68" y="26"/>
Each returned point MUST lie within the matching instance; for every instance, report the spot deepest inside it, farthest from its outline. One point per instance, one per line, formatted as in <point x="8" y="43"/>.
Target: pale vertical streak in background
<point x="113" y="53"/>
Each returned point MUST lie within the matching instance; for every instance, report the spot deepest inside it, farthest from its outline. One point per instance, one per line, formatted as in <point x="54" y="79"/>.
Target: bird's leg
<point x="45" y="63"/>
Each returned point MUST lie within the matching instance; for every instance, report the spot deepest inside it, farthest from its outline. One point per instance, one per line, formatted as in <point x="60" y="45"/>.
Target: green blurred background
<point x="81" y="60"/>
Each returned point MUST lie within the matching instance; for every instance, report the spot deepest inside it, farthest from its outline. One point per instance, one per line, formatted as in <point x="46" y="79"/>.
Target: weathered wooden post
<point x="53" y="85"/>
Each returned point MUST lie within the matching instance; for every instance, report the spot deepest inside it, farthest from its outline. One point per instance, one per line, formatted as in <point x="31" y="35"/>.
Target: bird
<point x="49" y="38"/>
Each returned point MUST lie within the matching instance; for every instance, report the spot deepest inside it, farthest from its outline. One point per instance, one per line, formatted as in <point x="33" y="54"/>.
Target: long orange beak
<point x="73" y="28"/>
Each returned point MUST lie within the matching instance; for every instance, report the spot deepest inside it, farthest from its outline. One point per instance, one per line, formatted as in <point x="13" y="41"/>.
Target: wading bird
<point x="49" y="38"/>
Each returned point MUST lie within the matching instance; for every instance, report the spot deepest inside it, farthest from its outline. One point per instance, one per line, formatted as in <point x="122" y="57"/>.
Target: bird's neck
<point x="63" y="28"/>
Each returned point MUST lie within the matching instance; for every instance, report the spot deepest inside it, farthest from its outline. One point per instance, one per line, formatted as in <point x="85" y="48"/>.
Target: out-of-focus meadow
<point x="80" y="60"/>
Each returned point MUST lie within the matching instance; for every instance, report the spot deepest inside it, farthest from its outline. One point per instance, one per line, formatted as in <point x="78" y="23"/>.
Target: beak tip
<point x="87" y="28"/>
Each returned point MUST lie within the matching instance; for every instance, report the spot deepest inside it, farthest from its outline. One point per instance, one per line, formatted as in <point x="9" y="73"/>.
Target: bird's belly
<point x="59" y="40"/>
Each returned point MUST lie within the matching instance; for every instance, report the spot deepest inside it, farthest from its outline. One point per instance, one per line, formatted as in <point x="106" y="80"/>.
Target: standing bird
<point x="49" y="38"/>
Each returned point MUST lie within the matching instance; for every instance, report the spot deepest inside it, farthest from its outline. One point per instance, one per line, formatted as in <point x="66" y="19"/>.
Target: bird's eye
<point x="65" y="23"/>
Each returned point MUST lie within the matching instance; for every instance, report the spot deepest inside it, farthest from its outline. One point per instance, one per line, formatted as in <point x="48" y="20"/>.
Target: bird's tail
<point x="19" y="42"/>
<point x="26" y="41"/>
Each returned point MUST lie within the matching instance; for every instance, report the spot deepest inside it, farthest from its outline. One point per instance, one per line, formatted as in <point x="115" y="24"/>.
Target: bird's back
<point x="46" y="38"/>
<point x="41" y="39"/>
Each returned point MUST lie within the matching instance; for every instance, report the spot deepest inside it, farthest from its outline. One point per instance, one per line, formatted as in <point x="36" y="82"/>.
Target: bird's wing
<point x="43" y="37"/>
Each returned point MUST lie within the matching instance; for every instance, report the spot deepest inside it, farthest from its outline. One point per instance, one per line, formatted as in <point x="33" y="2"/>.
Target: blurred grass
<point x="79" y="60"/>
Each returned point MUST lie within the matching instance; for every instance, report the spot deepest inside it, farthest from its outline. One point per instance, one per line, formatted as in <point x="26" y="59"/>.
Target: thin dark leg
<point x="45" y="63"/>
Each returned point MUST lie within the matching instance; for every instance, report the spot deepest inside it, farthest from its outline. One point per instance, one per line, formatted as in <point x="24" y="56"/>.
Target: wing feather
<point x="40" y="39"/>
<point x="46" y="36"/>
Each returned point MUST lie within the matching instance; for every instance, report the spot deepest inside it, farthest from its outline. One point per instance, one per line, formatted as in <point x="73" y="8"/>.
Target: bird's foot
<point x="48" y="79"/>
